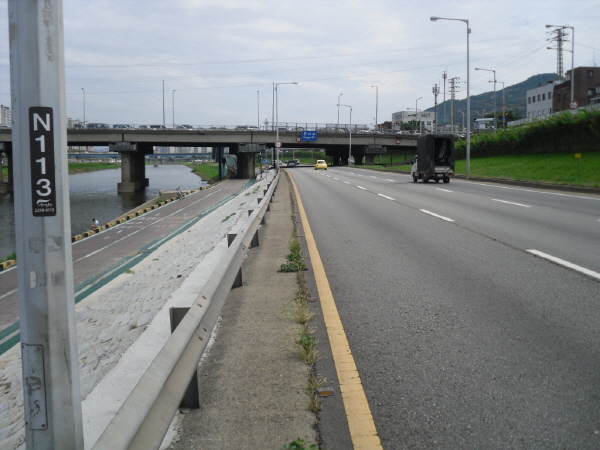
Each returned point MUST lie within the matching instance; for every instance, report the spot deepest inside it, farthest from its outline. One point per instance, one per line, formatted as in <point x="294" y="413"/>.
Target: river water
<point x="94" y="195"/>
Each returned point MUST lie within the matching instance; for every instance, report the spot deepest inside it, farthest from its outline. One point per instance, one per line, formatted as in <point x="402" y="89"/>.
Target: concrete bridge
<point x="134" y="145"/>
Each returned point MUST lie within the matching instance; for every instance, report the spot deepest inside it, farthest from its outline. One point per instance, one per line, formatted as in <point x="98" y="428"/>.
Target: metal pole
<point x="338" y="105"/>
<point x="376" y="106"/>
<point x="572" y="63"/>
<point x="468" y="149"/>
<point x="417" y="112"/>
<point x="350" y="145"/>
<point x="51" y="387"/>
<point x="83" y="107"/>
<point x="164" y="123"/>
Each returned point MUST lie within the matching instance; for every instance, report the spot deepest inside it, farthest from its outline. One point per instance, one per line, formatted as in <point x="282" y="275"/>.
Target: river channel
<point x="93" y="195"/>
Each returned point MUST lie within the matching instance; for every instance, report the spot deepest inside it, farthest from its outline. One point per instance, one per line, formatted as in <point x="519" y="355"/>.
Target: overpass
<point x="135" y="144"/>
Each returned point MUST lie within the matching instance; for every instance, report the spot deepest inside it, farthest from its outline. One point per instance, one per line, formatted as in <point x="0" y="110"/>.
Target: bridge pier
<point x="369" y="160"/>
<point x="7" y="186"/>
<point x="133" y="166"/>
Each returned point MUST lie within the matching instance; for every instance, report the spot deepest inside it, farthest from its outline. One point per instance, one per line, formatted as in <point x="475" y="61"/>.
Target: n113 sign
<point x="41" y="142"/>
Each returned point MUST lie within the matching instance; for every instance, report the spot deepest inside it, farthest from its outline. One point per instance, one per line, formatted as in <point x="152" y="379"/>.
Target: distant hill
<point x="483" y="104"/>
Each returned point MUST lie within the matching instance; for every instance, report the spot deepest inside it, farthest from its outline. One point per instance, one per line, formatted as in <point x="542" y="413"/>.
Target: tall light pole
<point x="84" y="126"/>
<point x="173" y="108"/>
<point x="468" y="149"/>
<point x="338" y="105"/>
<point x="572" y="56"/>
<point x="490" y="70"/>
<point x="350" y="146"/>
<point x="416" y="112"/>
<point x="164" y="123"/>
<point x="376" y="106"/>
<point x="503" y="103"/>
<point x="277" y="114"/>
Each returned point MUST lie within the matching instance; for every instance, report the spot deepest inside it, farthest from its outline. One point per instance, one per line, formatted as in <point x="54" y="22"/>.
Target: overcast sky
<point x="221" y="57"/>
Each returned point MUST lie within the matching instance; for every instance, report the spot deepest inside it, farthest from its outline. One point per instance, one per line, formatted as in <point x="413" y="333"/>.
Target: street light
<point x="468" y="148"/>
<point x="572" y="56"/>
<point x="490" y="70"/>
<point x="84" y="126"/>
<point x="503" y="103"/>
<point x="338" y="105"/>
<point x="173" y="108"/>
<point x="376" y="105"/>
<point x="416" y="112"/>
<point x="277" y="114"/>
<point x="350" y="147"/>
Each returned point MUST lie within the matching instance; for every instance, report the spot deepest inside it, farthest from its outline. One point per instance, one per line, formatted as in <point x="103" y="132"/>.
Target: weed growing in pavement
<point x="294" y="259"/>
<point x="314" y="382"/>
<point x="129" y="271"/>
<point x="299" y="444"/>
<point x="228" y="217"/>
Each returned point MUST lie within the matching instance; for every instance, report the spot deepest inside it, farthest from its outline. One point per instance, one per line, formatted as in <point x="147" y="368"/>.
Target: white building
<point x="5" y="116"/>
<point x="539" y="101"/>
<point x="426" y="117"/>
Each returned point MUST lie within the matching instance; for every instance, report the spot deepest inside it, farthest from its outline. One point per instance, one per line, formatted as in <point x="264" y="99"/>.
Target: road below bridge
<point x="470" y="308"/>
<point x="101" y="257"/>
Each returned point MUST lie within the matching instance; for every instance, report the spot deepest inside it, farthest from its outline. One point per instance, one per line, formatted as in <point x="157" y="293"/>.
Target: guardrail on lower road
<point x="144" y="418"/>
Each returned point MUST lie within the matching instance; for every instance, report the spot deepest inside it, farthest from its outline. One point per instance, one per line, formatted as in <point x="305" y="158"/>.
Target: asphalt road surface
<point x="471" y="309"/>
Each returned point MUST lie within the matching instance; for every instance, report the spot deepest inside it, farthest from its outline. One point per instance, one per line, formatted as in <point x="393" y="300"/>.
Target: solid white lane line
<point x="8" y="293"/>
<point x="511" y="203"/>
<point x="445" y="190"/>
<point x="360" y="187"/>
<point x="385" y="196"/>
<point x="569" y="265"/>
<point x="447" y="219"/>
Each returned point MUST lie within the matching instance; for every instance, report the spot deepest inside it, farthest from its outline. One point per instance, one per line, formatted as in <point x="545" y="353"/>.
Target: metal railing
<point x="144" y="418"/>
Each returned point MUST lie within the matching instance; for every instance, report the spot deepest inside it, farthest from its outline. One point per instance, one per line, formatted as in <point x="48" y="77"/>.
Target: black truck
<point x="435" y="158"/>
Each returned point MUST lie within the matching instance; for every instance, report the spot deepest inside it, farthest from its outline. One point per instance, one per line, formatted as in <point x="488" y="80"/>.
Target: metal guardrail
<point x="144" y="418"/>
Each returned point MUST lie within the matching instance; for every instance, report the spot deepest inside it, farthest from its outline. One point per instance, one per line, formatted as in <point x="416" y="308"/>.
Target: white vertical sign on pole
<point x="51" y="387"/>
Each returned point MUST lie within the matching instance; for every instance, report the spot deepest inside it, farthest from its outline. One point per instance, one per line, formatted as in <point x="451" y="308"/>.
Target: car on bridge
<point x="321" y="164"/>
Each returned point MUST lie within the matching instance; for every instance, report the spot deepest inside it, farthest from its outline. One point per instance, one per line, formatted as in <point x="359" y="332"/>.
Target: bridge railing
<point x="144" y="418"/>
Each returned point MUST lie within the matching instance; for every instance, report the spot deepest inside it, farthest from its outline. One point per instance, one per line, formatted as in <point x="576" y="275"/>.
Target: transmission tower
<point x="559" y="37"/>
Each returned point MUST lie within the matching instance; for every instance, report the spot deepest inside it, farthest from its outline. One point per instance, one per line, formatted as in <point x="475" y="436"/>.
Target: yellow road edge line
<point x="358" y="412"/>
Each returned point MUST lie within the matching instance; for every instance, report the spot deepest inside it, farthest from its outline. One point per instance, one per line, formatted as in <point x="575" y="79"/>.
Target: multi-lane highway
<point x="471" y="309"/>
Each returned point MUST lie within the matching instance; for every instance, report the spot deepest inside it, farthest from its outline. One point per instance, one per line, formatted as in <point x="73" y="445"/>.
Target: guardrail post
<point x="191" y="398"/>
<point x="238" y="279"/>
<point x="254" y="242"/>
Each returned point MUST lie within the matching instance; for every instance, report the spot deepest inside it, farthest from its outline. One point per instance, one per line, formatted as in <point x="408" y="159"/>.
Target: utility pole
<point x="444" y="76"/>
<point x="452" y="99"/>
<point x="436" y="91"/>
<point x="51" y="387"/>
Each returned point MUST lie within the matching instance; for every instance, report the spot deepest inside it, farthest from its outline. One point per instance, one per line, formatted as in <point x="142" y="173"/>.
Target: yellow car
<point x="321" y="164"/>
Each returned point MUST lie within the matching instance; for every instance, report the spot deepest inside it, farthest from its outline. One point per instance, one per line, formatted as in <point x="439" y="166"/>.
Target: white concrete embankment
<point x="122" y="326"/>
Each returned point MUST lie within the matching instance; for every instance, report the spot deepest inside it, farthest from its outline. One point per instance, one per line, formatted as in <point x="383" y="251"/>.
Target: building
<point x="427" y="119"/>
<point x="5" y="116"/>
<point x="539" y="101"/>
<point x="586" y="92"/>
